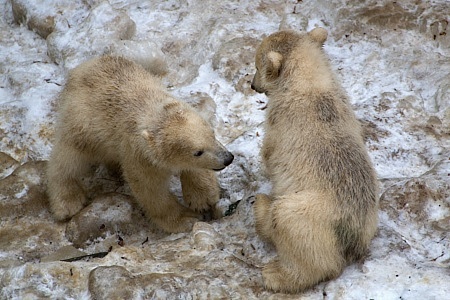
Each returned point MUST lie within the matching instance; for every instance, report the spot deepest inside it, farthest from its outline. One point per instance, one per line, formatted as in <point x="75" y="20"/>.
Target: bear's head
<point x="274" y="50"/>
<point x="183" y="140"/>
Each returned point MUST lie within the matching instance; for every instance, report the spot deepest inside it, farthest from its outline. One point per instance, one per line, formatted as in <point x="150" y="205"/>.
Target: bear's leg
<point x="150" y="186"/>
<point x="201" y="191"/>
<point x="306" y="243"/>
<point x="263" y="216"/>
<point x="64" y="171"/>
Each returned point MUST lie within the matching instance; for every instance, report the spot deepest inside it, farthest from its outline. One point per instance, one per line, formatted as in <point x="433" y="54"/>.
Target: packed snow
<point x="393" y="58"/>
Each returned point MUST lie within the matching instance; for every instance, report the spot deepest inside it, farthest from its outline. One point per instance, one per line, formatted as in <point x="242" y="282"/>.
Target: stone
<point x="111" y="282"/>
<point x="108" y="214"/>
<point x="236" y="57"/>
<point x="42" y="17"/>
<point x="28" y="15"/>
<point x="65" y="252"/>
<point x="422" y="205"/>
<point x="204" y="104"/>
<point x="442" y="95"/>
<point x="24" y="191"/>
<point x="103" y="27"/>
<point x="205" y="238"/>
<point x="146" y="53"/>
<point x="391" y="57"/>
<point x="7" y="165"/>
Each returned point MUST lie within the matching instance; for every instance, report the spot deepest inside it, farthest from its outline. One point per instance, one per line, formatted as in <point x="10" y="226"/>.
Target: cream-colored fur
<point x="112" y="111"/>
<point x="322" y="211"/>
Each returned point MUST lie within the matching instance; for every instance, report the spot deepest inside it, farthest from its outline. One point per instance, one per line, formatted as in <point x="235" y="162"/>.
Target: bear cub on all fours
<point x="112" y="111"/>
<point x="322" y="212"/>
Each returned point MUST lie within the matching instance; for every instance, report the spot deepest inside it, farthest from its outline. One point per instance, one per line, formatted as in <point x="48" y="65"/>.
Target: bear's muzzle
<point x="227" y="158"/>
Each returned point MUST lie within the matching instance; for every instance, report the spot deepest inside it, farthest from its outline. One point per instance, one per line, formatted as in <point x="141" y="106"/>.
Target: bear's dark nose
<point x="228" y="159"/>
<point x="253" y="87"/>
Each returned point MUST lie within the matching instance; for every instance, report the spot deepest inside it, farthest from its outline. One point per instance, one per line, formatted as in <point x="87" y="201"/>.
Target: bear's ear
<point x="274" y="60"/>
<point x="318" y="35"/>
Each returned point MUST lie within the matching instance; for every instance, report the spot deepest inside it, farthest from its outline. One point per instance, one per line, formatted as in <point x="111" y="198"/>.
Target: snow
<point x="398" y="81"/>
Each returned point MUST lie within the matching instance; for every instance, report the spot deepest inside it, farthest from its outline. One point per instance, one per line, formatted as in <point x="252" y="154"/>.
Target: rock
<point x="32" y="15"/>
<point x="65" y="252"/>
<point x="92" y="3"/>
<point x="106" y="215"/>
<point x="204" y="104"/>
<point x="390" y="15"/>
<point x="442" y="96"/>
<point x="205" y="238"/>
<point x="44" y="281"/>
<point x="112" y="282"/>
<point x="421" y="205"/>
<point x="43" y="17"/>
<point x="392" y="57"/>
<point x="434" y="23"/>
<point x="7" y="165"/>
<point x="236" y="58"/>
<point x="103" y="27"/>
<point x="237" y="66"/>
<point x="146" y="53"/>
<point x="376" y="19"/>
<point x="24" y="191"/>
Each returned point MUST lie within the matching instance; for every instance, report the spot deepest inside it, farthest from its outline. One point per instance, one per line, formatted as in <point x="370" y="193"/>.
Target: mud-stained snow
<point x="393" y="58"/>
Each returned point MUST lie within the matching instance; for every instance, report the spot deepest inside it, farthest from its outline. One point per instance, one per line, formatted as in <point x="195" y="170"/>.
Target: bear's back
<point x="323" y="150"/>
<point x="103" y="100"/>
<point x="113" y="82"/>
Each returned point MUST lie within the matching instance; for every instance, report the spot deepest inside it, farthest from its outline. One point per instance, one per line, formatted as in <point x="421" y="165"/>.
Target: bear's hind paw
<point x="275" y="279"/>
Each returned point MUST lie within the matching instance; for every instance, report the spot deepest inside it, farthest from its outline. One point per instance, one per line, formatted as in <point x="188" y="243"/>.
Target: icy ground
<point x="393" y="57"/>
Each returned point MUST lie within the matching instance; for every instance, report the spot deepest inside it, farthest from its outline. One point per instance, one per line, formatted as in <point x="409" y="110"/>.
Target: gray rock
<point x="7" y="165"/>
<point x="421" y="205"/>
<point x="103" y="27"/>
<point x="28" y="14"/>
<point x="106" y="215"/>
<point x="205" y="238"/>
<point x="236" y="58"/>
<point x="23" y="191"/>
<point x="65" y="252"/>
<point x="113" y="282"/>
<point x="391" y="57"/>
<point x="146" y="53"/>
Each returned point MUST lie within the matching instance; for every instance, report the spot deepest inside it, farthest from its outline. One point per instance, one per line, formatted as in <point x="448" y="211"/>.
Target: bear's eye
<point x="198" y="153"/>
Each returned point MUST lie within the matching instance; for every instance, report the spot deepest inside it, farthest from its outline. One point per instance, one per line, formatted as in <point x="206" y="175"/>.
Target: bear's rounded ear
<point x="318" y="35"/>
<point x="273" y="65"/>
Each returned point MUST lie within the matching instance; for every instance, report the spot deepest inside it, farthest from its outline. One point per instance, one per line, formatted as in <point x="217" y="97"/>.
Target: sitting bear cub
<point x="114" y="112"/>
<point x="323" y="209"/>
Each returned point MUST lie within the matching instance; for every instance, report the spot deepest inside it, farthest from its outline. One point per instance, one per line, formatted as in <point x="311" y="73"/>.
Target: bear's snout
<point x="256" y="84"/>
<point x="253" y="85"/>
<point x="228" y="159"/>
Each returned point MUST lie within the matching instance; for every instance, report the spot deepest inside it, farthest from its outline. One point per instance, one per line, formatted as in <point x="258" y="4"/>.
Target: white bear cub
<point x="112" y="111"/>
<point x="323" y="209"/>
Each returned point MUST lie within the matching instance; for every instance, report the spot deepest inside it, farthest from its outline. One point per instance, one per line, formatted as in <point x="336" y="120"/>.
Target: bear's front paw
<point x="184" y="224"/>
<point x="180" y="222"/>
<point x="64" y="210"/>
<point x="201" y="191"/>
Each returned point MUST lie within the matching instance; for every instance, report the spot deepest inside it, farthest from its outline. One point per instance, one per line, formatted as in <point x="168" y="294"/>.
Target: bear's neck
<point x="308" y="76"/>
